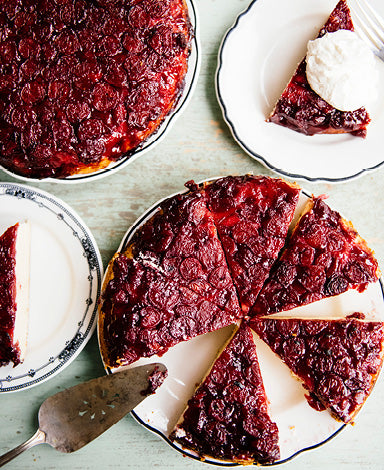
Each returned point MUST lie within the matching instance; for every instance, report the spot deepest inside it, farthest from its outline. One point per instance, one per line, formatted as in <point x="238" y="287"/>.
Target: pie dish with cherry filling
<point x="303" y="110"/>
<point x="14" y="287"/>
<point x="86" y="83"/>
<point x="227" y="417"/>
<point x="337" y="361"/>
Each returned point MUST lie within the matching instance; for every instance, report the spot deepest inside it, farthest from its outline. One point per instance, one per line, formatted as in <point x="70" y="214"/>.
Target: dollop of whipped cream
<point x="342" y="70"/>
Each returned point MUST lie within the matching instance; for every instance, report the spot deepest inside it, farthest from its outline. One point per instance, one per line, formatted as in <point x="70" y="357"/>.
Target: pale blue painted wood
<point x="199" y="146"/>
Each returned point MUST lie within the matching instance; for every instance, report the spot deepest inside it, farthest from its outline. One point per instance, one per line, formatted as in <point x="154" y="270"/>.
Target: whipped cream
<point x="342" y="70"/>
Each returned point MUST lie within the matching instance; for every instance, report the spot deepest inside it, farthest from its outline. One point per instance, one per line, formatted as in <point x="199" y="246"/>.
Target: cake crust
<point x="14" y="292"/>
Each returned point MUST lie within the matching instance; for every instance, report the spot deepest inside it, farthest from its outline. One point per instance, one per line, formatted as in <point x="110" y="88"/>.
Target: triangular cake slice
<point x="14" y="293"/>
<point x="227" y="418"/>
<point x="324" y="257"/>
<point x="301" y="109"/>
<point x="252" y="215"/>
<point x="170" y="283"/>
<point x="337" y="361"/>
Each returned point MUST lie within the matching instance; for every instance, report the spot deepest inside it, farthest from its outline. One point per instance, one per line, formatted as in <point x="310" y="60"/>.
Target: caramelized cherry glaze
<point x="8" y="350"/>
<point x="302" y="110"/>
<point x="84" y="83"/>
<point x="324" y="257"/>
<point x="227" y="418"/>
<point x="155" y="380"/>
<point x="337" y="360"/>
<point x="252" y="215"/>
<point x="170" y="284"/>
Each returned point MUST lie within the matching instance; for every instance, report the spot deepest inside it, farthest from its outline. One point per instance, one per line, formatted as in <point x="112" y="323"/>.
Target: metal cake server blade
<point x="74" y="417"/>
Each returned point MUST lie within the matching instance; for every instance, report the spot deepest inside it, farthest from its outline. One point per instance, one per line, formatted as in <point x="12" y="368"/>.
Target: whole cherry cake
<point x="231" y="251"/>
<point x="84" y="83"/>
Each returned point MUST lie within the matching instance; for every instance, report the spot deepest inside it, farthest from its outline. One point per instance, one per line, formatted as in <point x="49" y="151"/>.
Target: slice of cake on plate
<point x="324" y="257"/>
<point x="227" y="418"/>
<point x="337" y="361"/>
<point x="169" y="284"/>
<point x="252" y="215"/>
<point x="14" y="293"/>
<point x="300" y="108"/>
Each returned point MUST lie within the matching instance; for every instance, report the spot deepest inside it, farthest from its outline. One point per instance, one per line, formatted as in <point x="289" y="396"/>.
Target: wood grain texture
<point x="198" y="146"/>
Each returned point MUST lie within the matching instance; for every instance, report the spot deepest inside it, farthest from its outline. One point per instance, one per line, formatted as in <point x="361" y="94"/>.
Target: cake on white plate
<point x="14" y="293"/>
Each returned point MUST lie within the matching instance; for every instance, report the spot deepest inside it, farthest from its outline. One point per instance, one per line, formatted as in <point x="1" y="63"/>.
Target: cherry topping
<point x="91" y="62"/>
<point x="219" y="422"/>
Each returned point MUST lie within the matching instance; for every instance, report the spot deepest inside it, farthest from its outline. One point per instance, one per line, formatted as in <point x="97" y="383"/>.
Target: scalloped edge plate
<point x="65" y="283"/>
<point x="257" y="58"/>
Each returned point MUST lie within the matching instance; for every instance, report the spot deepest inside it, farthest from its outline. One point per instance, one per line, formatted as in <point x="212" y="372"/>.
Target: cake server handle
<point x="37" y="438"/>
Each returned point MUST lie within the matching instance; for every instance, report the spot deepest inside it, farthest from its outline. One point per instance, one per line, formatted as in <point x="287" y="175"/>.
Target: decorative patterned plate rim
<point x="190" y="82"/>
<point x="139" y="416"/>
<point x="252" y="152"/>
<point x="85" y="319"/>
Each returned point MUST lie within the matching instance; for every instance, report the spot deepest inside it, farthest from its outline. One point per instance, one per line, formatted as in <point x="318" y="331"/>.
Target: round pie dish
<point x="88" y="88"/>
<point x="288" y="405"/>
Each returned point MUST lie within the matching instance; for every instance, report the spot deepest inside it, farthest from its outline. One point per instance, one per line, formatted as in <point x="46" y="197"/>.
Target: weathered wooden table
<point x="198" y="146"/>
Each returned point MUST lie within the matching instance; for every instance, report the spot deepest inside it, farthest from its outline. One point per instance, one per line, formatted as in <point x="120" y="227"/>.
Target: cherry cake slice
<point x="338" y="361"/>
<point x="252" y="215"/>
<point x="324" y="257"/>
<point x="14" y="293"/>
<point x="227" y="418"/>
<point x="170" y="284"/>
<point x="301" y="109"/>
<point x="84" y="83"/>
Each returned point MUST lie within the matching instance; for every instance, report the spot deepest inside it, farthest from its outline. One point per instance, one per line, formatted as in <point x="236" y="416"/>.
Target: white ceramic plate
<point x="189" y="361"/>
<point x="257" y="58"/>
<point x="65" y="280"/>
<point x="191" y="77"/>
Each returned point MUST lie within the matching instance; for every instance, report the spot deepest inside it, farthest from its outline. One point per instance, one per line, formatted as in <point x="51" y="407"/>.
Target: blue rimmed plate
<point x="65" y="280"/>
<point x="257" y="58"/>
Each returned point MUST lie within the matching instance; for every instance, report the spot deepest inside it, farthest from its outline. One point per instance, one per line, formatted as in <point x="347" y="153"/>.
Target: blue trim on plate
<point x="90" y="252"/>
<point x="242" y="144"/>
<point x="229" y="464"/>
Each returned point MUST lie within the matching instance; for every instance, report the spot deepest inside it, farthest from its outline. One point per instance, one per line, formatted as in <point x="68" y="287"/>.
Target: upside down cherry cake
<point x="303" y="110"/>
<point x="207" y="259"/>
<point x="83" y="83"/>
<point x="14" y="285"/>
<point x="228" y="415"/>
<point x="338" y="361"/>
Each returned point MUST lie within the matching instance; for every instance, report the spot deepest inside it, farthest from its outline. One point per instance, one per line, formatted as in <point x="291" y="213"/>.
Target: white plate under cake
<point x="162" y="250"/>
